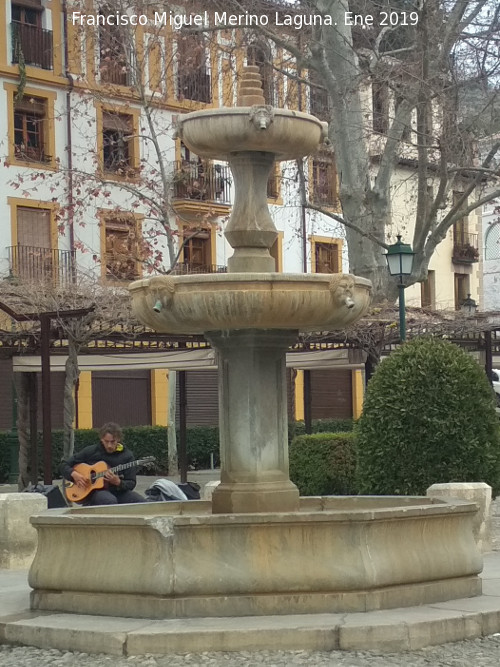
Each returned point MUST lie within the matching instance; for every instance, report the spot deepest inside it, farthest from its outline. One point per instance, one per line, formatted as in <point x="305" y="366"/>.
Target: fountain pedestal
<point x="251" y="230"/>
<point x="253" y="422"/>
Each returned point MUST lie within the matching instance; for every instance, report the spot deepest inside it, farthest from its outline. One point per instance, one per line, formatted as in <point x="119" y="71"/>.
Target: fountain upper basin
<point x="211" y="302"/>
<point x="217" y="133"/>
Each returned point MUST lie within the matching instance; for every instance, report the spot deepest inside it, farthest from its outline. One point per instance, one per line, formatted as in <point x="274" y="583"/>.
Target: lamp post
<point x="469" y="306"/>
<point x="400" y="262"/>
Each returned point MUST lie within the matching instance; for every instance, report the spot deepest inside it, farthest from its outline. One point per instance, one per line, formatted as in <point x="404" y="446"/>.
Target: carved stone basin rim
<point x="209" y="302"/>
<point x="216" y="133"/>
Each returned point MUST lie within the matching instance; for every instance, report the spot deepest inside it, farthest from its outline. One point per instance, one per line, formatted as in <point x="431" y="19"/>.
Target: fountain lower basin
<point x="336" y="554"/>
<point x="210" y="302"/>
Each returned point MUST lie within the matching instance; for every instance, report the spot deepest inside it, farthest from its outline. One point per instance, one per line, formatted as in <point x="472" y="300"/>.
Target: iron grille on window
<point x="32" y="45"/>
<point x="195" y="86"/>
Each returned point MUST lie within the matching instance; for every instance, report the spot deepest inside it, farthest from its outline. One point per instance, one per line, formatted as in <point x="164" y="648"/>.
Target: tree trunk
<point x="70" y="381"/>
<point x="23" y="418"/>
<point x="173" y="460"/>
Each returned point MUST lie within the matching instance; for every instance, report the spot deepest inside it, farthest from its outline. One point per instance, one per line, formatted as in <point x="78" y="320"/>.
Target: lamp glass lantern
<point x="400" y="258"/>
<point x="400" y="262"/>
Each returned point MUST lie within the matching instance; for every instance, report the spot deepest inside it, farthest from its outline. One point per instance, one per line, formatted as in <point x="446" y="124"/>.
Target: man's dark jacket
<point x="94" y="454"/>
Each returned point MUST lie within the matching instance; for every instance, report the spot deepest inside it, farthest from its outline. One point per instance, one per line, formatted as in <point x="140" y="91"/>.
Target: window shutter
<point x="32" y="105"/>
<point x="29" y="4"/>
<point x="33" y="227"/>
<point x="116" y="122"/>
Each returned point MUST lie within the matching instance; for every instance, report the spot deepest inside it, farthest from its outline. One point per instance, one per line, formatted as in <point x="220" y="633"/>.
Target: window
<point x="121" y="247"/>
<point x="273" y="183"/>
<point x="462" y="289"/>
<point x="260" y="56"/>
<point x="30" y="43"/>
<point x="318" y="97"/>
<point x="380" y="106"/>
<point x="193" y="78"/>
<point x="197" y="250"/>
<point x="428" y="291"/>
<point x="118" y="149"/>
<point x="326" y="255"/>
<point x="465" y="245"/>
<point x="460" y="227"/>
<point x="34" y="255"/>
<point x="114" y="65"/>
<point x="27" y="13"/>
<point x="29" y="130"/>
<point x="492" y="242"/>
<point x="276" y="252"/>
<point x="406" y="136"/>
<point x="324" y="182"/>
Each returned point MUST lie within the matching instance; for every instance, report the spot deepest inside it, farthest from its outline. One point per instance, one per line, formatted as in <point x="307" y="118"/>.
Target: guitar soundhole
<point x="93" y="476"/>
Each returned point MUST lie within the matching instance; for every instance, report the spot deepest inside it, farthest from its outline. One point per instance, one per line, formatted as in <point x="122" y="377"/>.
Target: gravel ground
<point x="484" y="652"/>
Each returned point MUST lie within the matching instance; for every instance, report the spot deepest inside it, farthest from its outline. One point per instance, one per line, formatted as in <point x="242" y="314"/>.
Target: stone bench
<point x="18" y="538"/>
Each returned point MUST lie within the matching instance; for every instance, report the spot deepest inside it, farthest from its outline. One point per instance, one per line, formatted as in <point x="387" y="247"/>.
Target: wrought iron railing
<point x="115" y="73"/>
<point x="183" y="268"/>
<point x="30" y="263"/>
<point x="195" y="86"/>
<point x="465" y="247"/>
<point x="205" y="182"/>
<point x="32" y="44"/>
<point x="31" y="154"/>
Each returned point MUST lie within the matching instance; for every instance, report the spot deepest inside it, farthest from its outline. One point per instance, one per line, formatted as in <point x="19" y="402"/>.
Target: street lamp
<point x="469" y="306"/>
<point x="400" y="262"/>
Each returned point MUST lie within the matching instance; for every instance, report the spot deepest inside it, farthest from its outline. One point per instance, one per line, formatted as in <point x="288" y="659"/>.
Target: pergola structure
<point x="41" y="341"/>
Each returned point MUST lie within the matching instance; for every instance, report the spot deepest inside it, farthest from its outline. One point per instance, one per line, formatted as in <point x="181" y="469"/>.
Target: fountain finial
<point x="250" y="91"/>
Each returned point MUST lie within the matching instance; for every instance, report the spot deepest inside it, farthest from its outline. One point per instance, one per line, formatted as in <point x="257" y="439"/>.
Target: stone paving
<point x="482" y="652"/>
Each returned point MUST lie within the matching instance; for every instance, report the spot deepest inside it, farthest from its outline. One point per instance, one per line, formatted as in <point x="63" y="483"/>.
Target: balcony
<point x="33" y="264"/>
<point x="202" y="182"/>
<point x="31" y="45"/>
<point x="195" y="86"/>
<point x="465" y="247"/>
<point x="186" y="268"/>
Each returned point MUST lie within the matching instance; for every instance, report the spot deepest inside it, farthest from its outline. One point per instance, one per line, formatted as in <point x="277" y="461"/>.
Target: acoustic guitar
<point x="95" y="476"/>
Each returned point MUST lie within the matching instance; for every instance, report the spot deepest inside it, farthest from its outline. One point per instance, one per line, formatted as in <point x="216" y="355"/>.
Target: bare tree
<point x="103" y="310"/>
<point x="392" y="89"/>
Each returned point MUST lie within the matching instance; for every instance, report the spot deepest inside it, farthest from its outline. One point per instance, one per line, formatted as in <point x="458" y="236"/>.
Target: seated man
<point x="117" y="488"/>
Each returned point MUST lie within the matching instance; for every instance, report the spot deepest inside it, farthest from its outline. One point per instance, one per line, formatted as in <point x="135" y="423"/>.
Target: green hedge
<point x="142" y="440"/>
<point x="320" y="426"/>
<point x="324" y="464"/>
<point x="202" y="441"/>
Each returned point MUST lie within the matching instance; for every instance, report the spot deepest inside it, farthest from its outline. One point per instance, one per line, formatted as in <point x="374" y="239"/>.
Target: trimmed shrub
<point x="324" y="464"/>
<point x="428" y="417"/>
<point x="320" y="426"/>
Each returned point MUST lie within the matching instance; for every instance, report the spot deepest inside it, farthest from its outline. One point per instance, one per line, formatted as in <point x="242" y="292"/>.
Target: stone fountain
<point x="257" y="548"/>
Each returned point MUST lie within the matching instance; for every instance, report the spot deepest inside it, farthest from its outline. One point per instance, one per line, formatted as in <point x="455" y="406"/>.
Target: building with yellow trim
<point x="94" y="177"/>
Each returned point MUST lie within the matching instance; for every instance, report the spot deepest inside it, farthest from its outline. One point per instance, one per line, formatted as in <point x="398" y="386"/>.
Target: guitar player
<point x="117" y="488"/>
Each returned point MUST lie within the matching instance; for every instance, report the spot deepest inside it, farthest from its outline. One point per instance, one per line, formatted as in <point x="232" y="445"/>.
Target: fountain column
<point x="253" y="422"/>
